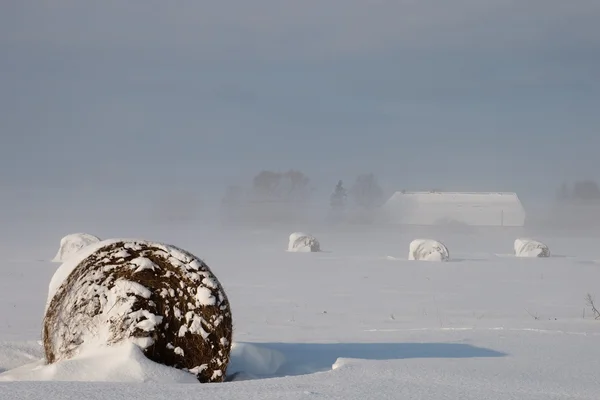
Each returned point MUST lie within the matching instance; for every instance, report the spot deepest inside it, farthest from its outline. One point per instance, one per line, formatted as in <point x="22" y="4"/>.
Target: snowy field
<point x="356" y="321"/>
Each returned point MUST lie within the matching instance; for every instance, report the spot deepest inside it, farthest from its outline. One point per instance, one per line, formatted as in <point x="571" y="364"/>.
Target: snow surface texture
<point x="483" y="327"/>
<point x="428" y="250"/>
<point x="123" y="362"/>
<point x="157" y="296"/>
<point x="531" y="248"/>
<point x="303" y="243"/>
<point x="73" y="243"/>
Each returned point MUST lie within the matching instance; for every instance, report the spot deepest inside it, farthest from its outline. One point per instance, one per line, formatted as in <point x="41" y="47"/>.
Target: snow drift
<point x="302" y="243"/>
<point x="251" y="361"/>
<point x="65" y="269"/>
<point x="428" y="250"/>
<point x="165" y="300"/>
<point x="73" y="243"/>
<point x="531" y="248"/>
<point x="124" y="362"/>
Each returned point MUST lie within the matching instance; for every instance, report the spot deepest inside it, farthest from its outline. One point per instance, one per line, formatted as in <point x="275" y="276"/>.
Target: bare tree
<point x="266" y="184"/>
<point x="586" y="190"/>
<point x="297" y="186"/>
<point x="366" y="192"/>
<point x="289" y="187"/>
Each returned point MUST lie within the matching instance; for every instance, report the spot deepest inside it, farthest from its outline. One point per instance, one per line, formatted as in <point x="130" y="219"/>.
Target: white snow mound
<point x="124" y="362"/>
<point x="73" y="243"/>
<point x="15" y="354"/>
<point x="303" y="243"/>
<point x="428" y="250"/>
<point x="531" y="248"/>
<point x="68" y="266"/>
<point x="253" y="361"/>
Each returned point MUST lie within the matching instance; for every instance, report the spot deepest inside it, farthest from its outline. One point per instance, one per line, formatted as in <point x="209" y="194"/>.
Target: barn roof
<point x="472" y="208"/>
<point x="434" y="196"/>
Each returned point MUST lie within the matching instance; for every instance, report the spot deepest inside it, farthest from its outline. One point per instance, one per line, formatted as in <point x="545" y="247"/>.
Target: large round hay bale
<point x="73" y="243"/>
<point x="162" y="298"/>
<point x="303" y="243"/>
<point x="525" y="247"/>
<point x="428" y="250"/>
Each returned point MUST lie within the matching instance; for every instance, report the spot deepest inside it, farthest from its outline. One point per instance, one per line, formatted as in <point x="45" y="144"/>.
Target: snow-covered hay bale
<point x="71" y="244"/>
<point x="303" y="243"/>
<point x="531" y="248"/>
<point x="428" y="250"/>
<point x="162" y="298"/>
<point x="293" y="237"/>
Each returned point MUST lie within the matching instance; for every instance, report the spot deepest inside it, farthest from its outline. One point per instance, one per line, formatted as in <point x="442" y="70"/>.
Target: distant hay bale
<point x="428" y="250"/>
<point x="303" y="243"/>
<point x="293" y="238"/>
<point x="71" y="244"/>
<point x="162" y="298"/>
<point x="531" y="248"/>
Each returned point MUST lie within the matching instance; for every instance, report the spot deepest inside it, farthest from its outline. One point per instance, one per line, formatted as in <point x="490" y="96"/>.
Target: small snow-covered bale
<point x="162" y="298"/>
<point x="531" y="248"/>
<point x="428" y="250"/>
<point x="303" y="243"/>
<point x="293" y="237"/>
<point x="71" y="244"/>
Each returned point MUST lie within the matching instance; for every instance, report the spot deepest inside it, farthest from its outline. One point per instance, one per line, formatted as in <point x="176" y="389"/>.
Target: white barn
<point x="469" y="208"/>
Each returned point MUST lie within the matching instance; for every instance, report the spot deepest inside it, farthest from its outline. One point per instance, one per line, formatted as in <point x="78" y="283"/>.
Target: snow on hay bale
<point x="531" y="248"/>
<point x="71" y="244"/>
<point x="162" y="298"/>
<point x="428" y="250"/>
<point x="302" y="243"/>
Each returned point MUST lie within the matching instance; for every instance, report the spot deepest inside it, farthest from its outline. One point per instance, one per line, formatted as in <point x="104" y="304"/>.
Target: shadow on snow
<point x="271" y="360"/>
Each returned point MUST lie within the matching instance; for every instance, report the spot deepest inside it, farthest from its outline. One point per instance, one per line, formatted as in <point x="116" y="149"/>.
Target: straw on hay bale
<point x="162" y="298"/>
<point x="531" y="248"/>
<point x="72" y="243"/>
<point x="428" y="250"/>
<point x="302" y="243"/>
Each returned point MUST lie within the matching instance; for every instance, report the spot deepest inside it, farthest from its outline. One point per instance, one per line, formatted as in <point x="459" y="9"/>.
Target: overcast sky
<point x="464" y="94"/>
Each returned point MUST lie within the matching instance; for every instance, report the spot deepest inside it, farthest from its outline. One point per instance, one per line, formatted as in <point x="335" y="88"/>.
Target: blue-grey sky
<point x="464" y="94"/>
